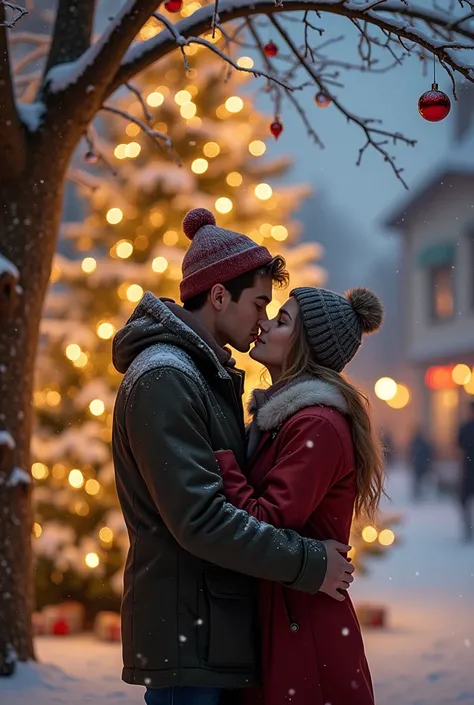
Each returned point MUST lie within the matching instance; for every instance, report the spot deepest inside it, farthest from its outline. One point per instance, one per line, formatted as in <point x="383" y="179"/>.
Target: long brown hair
<point x="367" y="446"/>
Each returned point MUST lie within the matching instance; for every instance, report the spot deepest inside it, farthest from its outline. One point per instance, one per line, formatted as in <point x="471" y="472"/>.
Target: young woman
<point x="314" y="462"/>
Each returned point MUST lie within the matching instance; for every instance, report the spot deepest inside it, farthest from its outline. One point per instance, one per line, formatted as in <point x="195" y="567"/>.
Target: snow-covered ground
<point x="425" y="657"/>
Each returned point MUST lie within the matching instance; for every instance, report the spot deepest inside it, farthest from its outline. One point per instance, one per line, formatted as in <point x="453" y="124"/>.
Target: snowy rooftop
<point x="459" y="159"/>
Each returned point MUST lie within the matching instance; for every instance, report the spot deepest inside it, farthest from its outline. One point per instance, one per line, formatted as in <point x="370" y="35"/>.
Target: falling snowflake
<point x="147" y="681"/>
<point x="182" y="638"/>
<point x="345" y="631"/>
<point x="309" y="444"/>
<point x="199" y="622"/>
<point x="291" y="692"/>
<point x="467" y="642"/>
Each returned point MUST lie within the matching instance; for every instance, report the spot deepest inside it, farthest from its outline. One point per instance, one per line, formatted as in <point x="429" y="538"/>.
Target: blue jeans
<point x="182" y="696"/>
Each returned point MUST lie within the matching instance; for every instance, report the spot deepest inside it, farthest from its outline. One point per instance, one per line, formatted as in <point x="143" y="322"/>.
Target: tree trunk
<point x="30" y="212"/>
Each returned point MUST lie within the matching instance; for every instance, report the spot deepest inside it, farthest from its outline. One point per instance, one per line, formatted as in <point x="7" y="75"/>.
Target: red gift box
<point x="60" y="620"/>
<point x="370" y="615"/>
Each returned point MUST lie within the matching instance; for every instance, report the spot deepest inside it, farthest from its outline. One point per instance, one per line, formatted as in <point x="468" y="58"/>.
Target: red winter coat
<point x="301" y="476"/>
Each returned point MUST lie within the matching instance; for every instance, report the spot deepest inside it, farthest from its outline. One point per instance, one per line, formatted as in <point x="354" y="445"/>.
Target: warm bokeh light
<point x="37" y="530"/>
<point x="263" y="192"/>
<point x="469" y="386"/>
<point x="182" y="97"/>
<point x="155" y="99"/>
<point x="89" y="265"/>
<point x="124" y="249"/>
<point x="170" y="238"/>
<point x="39" y="471"/>
<point x="156" y="217"/>
<point x="199" y="166"/>
<point x="76" y="479"/>
<point x="106" y="534"/>
<point x="133" y="150"/>
<point x="385" y="388"/>
<point x="401" y="398"/>
<point x="97" y="407"/>
<point x="114" y="216"/>
<point x="234" y="104"/>
<point x="440" y="377"/>
<point x="188" y="110"/>
<point x="245" y="62"/>
<point x="132" y="130"/>
<point x="134" y="293"/>
<point x="211" y="149"/>
<point x="120" y="151"/>
<point x="81" y="361"/>
<point x="234" y="178"/>
<point x="369" y="534"/>
<point x="159" y="265"/>
<point x="224" y="205"/>
<point x="279" y="233"/>
<point x="461" y="374"/>
<point x="257" y="148"/>
<point x="92" y="487"/>
<point x="105" y="330"/>
<point x="92" y="560"/>
<point x="386" y="537"/>
<point x="53" y="398"/>
<point x="73" y="351"/>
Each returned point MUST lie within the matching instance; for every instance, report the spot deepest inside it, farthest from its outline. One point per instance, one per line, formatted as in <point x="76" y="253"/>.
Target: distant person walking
<point x="466" y="484"/>
<point x="421" y="459"/>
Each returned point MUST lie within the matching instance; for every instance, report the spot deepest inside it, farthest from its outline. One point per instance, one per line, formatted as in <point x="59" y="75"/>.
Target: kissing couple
<point x="235" y="584"/>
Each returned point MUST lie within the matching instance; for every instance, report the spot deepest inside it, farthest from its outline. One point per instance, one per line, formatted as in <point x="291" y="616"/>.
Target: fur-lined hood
<point x="285" y="402"/>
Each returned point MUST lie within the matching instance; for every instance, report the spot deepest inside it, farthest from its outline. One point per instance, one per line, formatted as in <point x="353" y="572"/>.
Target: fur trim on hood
<point x="295" y="397"/>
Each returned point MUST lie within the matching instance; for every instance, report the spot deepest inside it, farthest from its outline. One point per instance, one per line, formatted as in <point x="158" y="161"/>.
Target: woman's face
<point x="273" y="345"/>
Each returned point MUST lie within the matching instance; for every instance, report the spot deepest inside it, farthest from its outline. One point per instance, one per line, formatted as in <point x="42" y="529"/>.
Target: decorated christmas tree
<point x="205" y="147"/>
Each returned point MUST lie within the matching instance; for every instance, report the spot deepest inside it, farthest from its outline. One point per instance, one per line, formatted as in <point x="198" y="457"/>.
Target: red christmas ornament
<point x="174" y="5"/>
<point x="91" y="157"/>
<point x="322" y="100"/>
<point x="61" y="628"/>
<point x="270" y="49"/>
<point x="434" y="105"/>
<point x="276" y="128"/>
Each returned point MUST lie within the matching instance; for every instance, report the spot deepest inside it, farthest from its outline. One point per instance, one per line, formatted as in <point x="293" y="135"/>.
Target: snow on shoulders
<point x="7" y="440"/>
<point x="31" y="114"/>
<point x="8" y="267"/>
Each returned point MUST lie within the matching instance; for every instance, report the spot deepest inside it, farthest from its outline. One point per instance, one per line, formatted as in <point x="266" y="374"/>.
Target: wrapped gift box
<point x="107" y="626"/>
<point x="63" y="619"/>
<point x="371" y="615"/>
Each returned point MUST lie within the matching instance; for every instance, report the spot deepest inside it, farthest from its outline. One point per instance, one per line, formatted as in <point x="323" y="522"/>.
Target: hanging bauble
<point x="270" y="49"/>
<point x="174" y="5"/>
<point x="276" y="128"/>
<point x="322" y="100"/>
<point x="434" y="105"/>
<point x="91" y="157"/>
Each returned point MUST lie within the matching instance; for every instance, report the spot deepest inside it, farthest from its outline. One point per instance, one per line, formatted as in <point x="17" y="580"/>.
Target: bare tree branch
<point x="12" y="136"/>
<point x="72" y="31"/>
<point x="370" y="132"/>
<point x="18" y="13"/>
<point x="394" y="18"/>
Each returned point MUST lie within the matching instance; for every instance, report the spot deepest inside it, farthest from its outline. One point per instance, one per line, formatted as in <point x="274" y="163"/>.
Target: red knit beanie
<point x="216" y="255"/>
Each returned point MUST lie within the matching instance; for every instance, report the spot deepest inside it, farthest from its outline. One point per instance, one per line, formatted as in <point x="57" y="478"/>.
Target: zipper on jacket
<point x="294" y="626"/>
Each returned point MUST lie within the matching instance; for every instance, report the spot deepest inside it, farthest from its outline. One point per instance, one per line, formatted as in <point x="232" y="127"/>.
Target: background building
<point x="436" y="222"/>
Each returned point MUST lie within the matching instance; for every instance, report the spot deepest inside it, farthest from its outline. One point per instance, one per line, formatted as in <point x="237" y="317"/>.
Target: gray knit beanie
<point x="335" y="324"/>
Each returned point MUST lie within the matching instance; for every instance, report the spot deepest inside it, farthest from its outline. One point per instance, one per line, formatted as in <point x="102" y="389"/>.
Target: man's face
<point x="238" y="321"/>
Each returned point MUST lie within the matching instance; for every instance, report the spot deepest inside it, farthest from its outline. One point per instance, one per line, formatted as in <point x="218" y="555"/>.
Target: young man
<point x="188" y="610"/>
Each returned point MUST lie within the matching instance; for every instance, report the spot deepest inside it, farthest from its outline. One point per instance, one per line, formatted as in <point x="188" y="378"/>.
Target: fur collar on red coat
<point x="285" y="402"/>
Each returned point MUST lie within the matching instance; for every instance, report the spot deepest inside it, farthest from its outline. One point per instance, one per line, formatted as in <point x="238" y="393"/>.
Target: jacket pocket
<point x="233" y="636"/>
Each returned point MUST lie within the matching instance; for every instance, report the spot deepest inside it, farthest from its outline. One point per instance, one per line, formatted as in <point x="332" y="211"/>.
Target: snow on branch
<point x="18" y="477"/>
<point x="18" y="13"/>
<point x="7" y="440"/>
